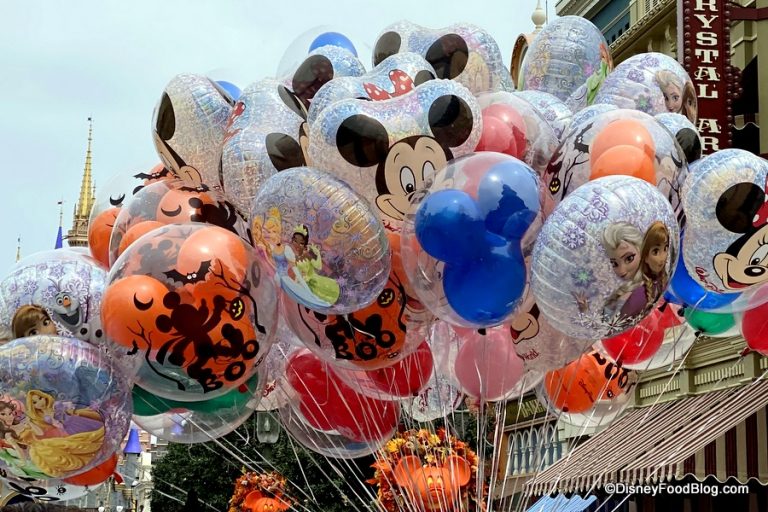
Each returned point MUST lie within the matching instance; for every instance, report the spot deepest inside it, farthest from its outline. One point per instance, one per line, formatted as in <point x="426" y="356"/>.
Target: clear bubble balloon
<point x="554" y="111"/>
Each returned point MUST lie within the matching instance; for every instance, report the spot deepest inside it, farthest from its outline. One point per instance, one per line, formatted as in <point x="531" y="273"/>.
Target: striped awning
<point x="561" y="503"/>
<point x="721" y="433"/>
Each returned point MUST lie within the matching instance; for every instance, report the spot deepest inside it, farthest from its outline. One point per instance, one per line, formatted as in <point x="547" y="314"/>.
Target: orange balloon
<point x="212" y="253"/>
<point x="99" y="233"/>
<point x="622" y="132"/>
<point x="624" y="161"/>
<point x="576" y="387"/>
<point x="135" y="232"/>
<point x="129" y="309"/>
<point x="95" y="475"/>
<point x="255" y="501"/>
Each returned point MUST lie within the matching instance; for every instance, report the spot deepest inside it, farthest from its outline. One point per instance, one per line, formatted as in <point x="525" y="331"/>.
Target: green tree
<point x="208" y="469"/>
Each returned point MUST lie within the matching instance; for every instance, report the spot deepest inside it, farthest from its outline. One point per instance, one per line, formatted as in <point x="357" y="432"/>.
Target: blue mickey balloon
<point x="233" y="90"/>
<point x="441" y="217"/>
<point x="471" y="224"/>
<point x="333" y="39"/>
<point x="683" y="289"/>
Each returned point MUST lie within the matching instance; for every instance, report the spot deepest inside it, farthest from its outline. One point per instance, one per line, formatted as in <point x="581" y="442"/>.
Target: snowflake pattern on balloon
<point x="649" y="61"/>
<point x="583" y="277"/>
<point x="636" y="75"/>
<point x="573" y="238"/>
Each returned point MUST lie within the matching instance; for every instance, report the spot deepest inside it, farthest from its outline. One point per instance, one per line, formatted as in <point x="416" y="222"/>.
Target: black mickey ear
<point x="362" y="140"/>
<point x="691" y="144"/>
<point x="165" y="125"/>
<point x="448" y="55"/>
<point x="450" y="119"/>
<point x="313" y="73"/>
<point x="224" y="94"/>
<point x="291" y="101"/>
<point x="284" y="152"/>
<point x="737" y="206"/>
<point x="423" y="76"/>
<point x="387" y="45"/>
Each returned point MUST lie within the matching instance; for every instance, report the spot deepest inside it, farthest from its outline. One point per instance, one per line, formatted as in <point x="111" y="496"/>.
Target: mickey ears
<point x="165" y="124"/>
<point x="386" y="46"/>
<point x="459" y="469"/>
<point x="450" y="120"/>
<point x="690" y="143"/>
<point x="250" y="500"/>
<point x="405" y="469"/>
<point x="313" y="73"/>
<point x="448" y="55"/>
<point x="736" y="208"/>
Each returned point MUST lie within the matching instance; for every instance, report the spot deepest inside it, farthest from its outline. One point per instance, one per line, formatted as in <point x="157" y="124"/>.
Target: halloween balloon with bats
<point x="191" y="301"/>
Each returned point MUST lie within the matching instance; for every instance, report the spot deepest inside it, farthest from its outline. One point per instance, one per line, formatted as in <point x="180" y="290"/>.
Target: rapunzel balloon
<point x="64" y="407"/>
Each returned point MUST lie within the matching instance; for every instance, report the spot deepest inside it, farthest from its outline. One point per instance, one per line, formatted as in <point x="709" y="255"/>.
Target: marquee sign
<point x="706" y="54"/>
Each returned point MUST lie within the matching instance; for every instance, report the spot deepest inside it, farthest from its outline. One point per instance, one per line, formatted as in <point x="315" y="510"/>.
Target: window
<point x="534" y="449"/>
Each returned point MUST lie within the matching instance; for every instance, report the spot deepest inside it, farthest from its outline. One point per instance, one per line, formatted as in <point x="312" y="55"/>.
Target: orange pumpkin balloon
<point x="576" y="387"/>
<point x="255" y="501"/>
<point x="623" y="132"/>
<point x="99" y="233"/>
<point x="625" y="161"/>
<point x="95" y="475"/>
<point x="433" y="488"/>
<point x="130" y="307"/>
<point x="135" y="232"/>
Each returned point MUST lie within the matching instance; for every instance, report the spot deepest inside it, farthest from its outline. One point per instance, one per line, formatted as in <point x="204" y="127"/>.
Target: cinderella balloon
<point x="327" y="246"/>
<point x="265" y="134"/>
<point x="461" y="52"/>
<point x="725" y="203"/>
<point x="65" y="407"/>
<point x="652" y="83"/>
<point x="568" y="53"/>
<point x="188" y="127"/>
<point x="394" y="76"/>
<point x="604" y="257"/>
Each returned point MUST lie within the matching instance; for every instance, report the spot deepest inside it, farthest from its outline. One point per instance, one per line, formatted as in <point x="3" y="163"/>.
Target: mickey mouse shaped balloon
<point x="388" y="150"/>
<point x="188" y="127"/>
<point x="256" y="501"/>
<point x="394" y="76"/>
<point x="461" y="52"/>
<point x="724" y="199"/>
<point x="433" y="488"/>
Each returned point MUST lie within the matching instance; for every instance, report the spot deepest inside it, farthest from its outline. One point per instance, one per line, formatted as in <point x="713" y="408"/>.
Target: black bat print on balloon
<point x="190" y="277"/>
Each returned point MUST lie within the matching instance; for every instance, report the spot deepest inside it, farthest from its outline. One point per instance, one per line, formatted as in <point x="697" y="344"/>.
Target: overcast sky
<point x="62" y="61"/>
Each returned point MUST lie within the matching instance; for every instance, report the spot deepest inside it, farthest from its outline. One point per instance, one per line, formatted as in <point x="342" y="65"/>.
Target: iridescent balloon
<point x="552" y="109"/>
<point x="52" y="490"/>
<point x="652" y="83"/>
<point x="388" y="150"/>
<point x="725" y="204"/>
<point x="619" y="141"/>
<point x="604" y="257"/>
<point x="394" y="76"/>
<point x="462" y="52"/>
<point x="568" y="53"/>
<point x="685" y="133"/>
<point x="265" y="134"/>
<point x="66" y="285"/>
<point x="65" y="407"/>
<point x="188" y="127"/>
<point x="327" y="246"/>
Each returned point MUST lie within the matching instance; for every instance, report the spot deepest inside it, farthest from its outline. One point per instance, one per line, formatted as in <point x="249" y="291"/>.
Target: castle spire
<point x="539" y="17"/>
<point x="78" y="235"/>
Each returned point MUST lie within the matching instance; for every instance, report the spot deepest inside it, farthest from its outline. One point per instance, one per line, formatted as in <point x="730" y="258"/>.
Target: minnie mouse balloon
<point x="64" y="407"/>
<point x="568" y="53"/>
<point x="394" y="76"/>
<point x="462" y="52"/>
<point x="327" y="246"/>
<point x="197" y="305"/>
<point x="725" y="203"/>
<point x="604" y="257"/>
<point x="188" y="127"/>
<point x="388" y="150"/>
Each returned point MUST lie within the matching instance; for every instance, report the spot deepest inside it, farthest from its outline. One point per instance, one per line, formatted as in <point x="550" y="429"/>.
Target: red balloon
<point x="503" y="131"/>
<point x="408" y="376"/>
<point x="754" y="326"/>
<point x="95" y="475"/>
<point x="369" y="419"/>
<point x="639" y="343"/>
